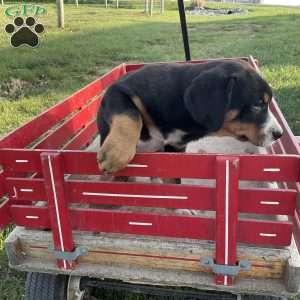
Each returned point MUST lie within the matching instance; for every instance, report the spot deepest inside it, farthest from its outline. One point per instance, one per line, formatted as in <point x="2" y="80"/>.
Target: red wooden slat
<point x="279" y="148"/>
<point x="133" y="67"/>
<point x="26" y="189"/>
<point x="253" y="62"/>
<point x="31" y="216"/>
<point x="118" y="222"/>
<point x="266" y="201"/>
<point x="20" y="160"/>
<point x="288" y="139"/>
<point x="138" y="194"/>
<point x="2" y="183"/>
<point x="145" y="224"/>
<point x="296" y="229"/>
<point x="116" y="193"/>
<point x="269" y="167"/>
<point x="83" y="138"/>
<point x="276" y="148"/>
<point x="154" y="164"/>
<point x="58" y="207"/>
<point x="298" y="180"/>
<point x="251" y="200"/>
<point x="169" y="225"/>
<point x="267" y="233"/>
<point x="5" y="215"/>
<point x="252" y="167"/>
<point x="227" y="184"/>
<point x="61" y="134"/>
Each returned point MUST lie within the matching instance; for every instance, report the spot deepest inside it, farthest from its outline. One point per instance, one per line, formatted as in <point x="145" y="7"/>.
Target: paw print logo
<point x="24" y="33"/>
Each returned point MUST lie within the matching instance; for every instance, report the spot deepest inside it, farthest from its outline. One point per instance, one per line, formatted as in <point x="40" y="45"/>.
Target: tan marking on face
<point x="267" y="99"/>
<point x="238" y="129"/>
<point x="119" y="147"/>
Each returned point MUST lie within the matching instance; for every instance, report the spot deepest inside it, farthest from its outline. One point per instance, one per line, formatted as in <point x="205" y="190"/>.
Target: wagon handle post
<point x="58" y="207"/>
<point x="184" y="30"/>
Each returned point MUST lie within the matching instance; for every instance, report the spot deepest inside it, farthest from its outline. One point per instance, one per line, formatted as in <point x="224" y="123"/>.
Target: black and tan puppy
<point x="161" y="107"/>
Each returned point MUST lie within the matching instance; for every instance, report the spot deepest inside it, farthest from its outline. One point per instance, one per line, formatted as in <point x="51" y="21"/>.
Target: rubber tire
<point x="257" y="297"/>
<point x="41" y="286"/>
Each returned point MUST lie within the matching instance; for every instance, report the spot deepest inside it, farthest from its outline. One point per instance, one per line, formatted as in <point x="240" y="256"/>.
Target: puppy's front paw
<point x="113" y="157"/>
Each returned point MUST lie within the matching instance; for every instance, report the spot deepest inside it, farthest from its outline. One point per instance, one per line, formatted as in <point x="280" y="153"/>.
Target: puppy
<point x="162" y="107"/>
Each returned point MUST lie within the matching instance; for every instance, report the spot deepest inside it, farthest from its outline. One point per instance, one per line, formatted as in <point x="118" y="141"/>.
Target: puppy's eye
<point x="256" y="108"/>
<point x="260" y="102"/>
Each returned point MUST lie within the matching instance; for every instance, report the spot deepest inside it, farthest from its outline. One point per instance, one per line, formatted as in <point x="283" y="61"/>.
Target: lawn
<point x="95" y="39"/>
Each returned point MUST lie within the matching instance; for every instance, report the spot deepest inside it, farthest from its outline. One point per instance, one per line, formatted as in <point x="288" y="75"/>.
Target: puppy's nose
<point x="277" y="134"/>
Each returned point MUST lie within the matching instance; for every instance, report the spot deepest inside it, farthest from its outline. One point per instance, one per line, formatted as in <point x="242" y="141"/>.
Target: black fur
<point x="191" y="97"/>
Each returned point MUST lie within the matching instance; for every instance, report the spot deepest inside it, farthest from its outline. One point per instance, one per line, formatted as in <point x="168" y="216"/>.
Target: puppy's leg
<point x="119" y="147"/>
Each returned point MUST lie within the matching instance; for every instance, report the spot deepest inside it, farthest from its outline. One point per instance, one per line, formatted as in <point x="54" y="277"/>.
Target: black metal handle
<point x="184" y="31"/>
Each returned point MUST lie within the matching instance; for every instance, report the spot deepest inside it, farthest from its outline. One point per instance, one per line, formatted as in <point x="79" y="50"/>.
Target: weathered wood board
<point x="156" y="261"/>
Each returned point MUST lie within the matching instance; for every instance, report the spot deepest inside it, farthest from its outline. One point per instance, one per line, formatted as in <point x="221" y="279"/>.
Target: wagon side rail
<point x="26" y="135"/>
<point x="58" y="192"/>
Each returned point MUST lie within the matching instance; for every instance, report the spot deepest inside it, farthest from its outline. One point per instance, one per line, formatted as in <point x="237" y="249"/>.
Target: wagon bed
<point x="49" y="191"/>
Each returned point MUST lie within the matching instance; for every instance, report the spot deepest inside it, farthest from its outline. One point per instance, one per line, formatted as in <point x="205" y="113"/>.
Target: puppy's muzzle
<point x="271" y="131"/>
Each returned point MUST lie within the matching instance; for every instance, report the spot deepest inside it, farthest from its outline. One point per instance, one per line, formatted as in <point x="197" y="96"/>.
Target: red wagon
<point x="47" y="191"/>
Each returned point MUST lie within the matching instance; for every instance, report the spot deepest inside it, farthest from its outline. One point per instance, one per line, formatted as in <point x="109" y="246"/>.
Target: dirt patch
<point x="205" y="11"/>
<point x="15" y="88"/>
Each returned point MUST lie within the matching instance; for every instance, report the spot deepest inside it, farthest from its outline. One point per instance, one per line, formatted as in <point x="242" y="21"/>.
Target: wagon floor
<point x="157" y="261"/>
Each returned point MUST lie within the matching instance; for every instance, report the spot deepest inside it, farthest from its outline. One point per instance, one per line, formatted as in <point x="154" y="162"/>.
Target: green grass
<point x="11" y="281"/>
<point x="96" y="39"/>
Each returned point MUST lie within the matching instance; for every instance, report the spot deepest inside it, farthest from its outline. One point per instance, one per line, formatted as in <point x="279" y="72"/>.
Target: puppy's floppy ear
<point x="208" y="98"/>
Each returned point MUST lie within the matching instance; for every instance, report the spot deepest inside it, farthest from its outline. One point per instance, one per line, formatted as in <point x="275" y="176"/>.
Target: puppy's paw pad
<point x="112" y="159"/>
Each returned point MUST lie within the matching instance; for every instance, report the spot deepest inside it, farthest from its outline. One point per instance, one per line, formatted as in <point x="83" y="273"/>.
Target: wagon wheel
<point x="258" y="297"/>
<point x="54" y="287"/>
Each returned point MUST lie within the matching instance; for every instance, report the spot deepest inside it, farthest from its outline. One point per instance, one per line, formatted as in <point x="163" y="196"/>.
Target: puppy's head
<point x="231" y="98"/>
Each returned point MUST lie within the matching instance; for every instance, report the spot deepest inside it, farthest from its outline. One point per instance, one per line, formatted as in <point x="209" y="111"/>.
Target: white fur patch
<point x="223" y="145"/>
<point x="175" y="138"/>
<point x="157" y="142"/>
<point x="269" y="128"/>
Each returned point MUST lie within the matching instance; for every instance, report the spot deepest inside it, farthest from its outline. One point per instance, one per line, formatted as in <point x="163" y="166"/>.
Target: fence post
<point x="151" y="7"/>
<point x="106" y="5"/>
<point x="57" y="205"/>
<point x="162" y="6"/>
<point x="227" y="175"/>
<point x="60" y="13"/>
